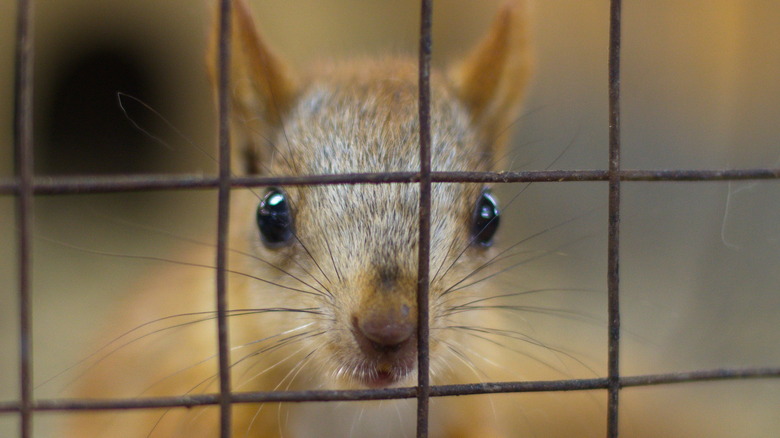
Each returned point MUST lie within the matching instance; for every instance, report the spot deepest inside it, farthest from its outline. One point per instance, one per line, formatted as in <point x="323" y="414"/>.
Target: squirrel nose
<point x="387" y="330"/>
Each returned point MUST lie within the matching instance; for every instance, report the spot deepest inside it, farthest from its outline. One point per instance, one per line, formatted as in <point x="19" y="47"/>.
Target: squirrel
<point x="323" y="277"/>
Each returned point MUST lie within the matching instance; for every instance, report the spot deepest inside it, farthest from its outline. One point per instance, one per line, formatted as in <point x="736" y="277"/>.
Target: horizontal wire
<point x="110" y="184"/>
<point x="721" y="374"/>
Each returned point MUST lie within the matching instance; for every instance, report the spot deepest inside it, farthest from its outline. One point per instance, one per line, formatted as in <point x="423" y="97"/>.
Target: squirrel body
<point x="331" y="304"/>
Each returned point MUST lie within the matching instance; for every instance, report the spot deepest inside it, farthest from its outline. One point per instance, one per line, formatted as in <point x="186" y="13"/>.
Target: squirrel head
<point x="355" y="246"/>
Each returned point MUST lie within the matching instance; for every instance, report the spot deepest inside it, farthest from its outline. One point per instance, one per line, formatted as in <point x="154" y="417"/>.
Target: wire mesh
<point x="25" y="186"/>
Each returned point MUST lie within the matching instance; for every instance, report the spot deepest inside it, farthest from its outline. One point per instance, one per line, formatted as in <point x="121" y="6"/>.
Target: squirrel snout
<point x="385" y="336"/>
<point x="385" y="330"/>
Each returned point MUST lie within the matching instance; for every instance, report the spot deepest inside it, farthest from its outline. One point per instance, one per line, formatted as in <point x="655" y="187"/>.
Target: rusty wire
<point x="424" y="244"/>
<point x="66" y="185"/>
<point x="23" y="151"/>
<point x="223" y="219"/>
<point x="613" y="242"/>
<point x="188" y="401"/>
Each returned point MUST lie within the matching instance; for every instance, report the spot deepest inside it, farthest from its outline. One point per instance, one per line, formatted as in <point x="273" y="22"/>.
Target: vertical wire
<point x="23" y="138"/>
<point x="223" y="206"/>
<point x="613" y="259"/>
<point x="423" y="257"/>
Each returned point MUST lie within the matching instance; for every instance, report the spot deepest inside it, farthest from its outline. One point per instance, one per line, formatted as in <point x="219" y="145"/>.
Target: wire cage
<point x="24" y="187"/>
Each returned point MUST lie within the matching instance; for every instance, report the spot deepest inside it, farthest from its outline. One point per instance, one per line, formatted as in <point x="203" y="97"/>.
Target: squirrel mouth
<point x="379" y="379"/>
<point x="382" y="375"/>
<point x="386" y="368"/>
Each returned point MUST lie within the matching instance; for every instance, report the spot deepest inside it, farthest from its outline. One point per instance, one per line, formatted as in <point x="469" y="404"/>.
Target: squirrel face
<point x="363" y="118"/>
<point x="352" y="249"/>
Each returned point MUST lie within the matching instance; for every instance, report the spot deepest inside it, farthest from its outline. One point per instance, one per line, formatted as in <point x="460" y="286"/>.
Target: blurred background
<point x="700" y="261"/>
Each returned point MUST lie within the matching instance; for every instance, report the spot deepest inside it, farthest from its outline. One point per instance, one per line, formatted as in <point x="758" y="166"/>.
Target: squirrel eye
<point x="274" y="219"/>
<point x="486" y="219"/>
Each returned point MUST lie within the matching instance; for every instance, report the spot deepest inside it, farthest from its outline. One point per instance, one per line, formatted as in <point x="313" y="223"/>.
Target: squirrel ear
<point x="262" y="87"/>
<point x="491" y="81"/>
